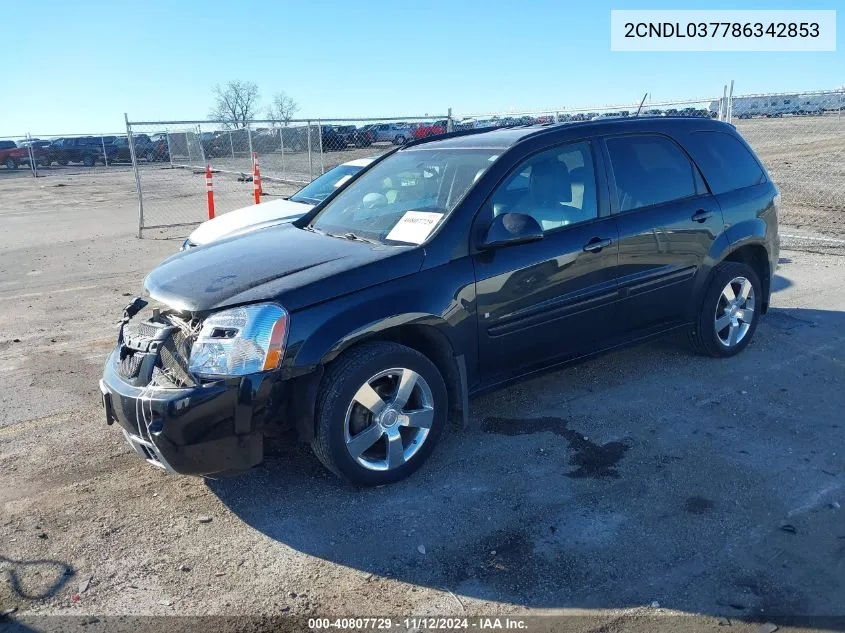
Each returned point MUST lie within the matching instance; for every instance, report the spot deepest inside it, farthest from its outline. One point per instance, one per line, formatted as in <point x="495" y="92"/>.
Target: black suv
<point x="87" y="150"/>
<point x="451" y="265"/>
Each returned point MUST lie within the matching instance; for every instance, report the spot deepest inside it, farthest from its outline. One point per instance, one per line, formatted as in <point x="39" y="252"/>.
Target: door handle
<point x="701" y="215"/>
<point x="596" y="244"/>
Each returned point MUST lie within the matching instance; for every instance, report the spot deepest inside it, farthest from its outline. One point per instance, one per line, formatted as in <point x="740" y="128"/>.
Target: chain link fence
<point x="171" y="157"/>
<point x="799" y="136"/>
<point x="55" y="152"/>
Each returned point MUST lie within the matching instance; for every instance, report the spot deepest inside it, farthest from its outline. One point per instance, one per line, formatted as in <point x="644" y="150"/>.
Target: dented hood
<point x="283" y="263"/>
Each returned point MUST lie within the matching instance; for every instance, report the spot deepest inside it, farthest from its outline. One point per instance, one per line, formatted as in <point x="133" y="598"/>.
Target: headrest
<point x="551" y="177"/>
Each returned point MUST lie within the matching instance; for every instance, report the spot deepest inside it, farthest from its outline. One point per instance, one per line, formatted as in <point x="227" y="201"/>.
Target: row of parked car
<point x="85" y="150"/>
<point x="329" y="137"/>
<point x="91" y="150"/>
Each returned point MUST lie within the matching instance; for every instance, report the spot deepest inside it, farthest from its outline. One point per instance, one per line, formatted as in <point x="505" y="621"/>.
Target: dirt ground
<point x="806" y="158"/>
<point x="649" y="481"/>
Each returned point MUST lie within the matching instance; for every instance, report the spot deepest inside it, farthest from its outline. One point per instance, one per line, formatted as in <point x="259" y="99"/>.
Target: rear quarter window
<point x="726" y="162"/>
<point x="650" y="169"/>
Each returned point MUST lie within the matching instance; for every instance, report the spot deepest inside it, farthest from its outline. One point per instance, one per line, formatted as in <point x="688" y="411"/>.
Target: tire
<point x="341" y="419"/>
<point x="64" y="162"/>
<point x="88" y="161"/>
<point x="399" y="139"/>
<point x="11" y="163"/>
<point x="716" y="309"/>
<point x="150" y="157"/>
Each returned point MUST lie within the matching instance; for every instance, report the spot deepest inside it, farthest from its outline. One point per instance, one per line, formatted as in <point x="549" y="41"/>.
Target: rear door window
<point x="650" y="169"/>
<point x="727" y="163"/>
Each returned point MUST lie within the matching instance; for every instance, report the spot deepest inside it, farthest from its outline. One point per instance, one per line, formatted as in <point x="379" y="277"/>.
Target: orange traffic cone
<point x="256" y="178"/>
<point x="210" y="191"/>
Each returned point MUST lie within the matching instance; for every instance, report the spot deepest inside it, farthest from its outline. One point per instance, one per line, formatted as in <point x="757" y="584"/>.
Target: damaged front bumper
<point x="205" y="429"/>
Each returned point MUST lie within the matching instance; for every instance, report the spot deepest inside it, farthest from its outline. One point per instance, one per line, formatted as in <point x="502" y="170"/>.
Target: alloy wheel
<point x="734" y="312"/>
<point x="389" y="419"/>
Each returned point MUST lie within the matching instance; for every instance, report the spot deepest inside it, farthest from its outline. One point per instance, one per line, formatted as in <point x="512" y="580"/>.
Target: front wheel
<point x="11" y="163"/>
<point x="730" y="311"/>
<point x="399" y="140"/>
<point x="88" y="161"/>
<point x="381" y="409"/>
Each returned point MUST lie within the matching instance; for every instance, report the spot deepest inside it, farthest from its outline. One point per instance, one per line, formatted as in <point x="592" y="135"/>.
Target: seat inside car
<point x="548" y="195"/>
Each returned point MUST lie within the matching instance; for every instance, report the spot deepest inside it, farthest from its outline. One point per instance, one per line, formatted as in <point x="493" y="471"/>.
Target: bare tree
<point x="235" y="104"/>
<point x="282" y="108"/>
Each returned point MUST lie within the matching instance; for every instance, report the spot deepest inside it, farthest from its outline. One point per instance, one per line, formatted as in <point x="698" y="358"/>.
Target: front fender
<point x="442" y="297"/>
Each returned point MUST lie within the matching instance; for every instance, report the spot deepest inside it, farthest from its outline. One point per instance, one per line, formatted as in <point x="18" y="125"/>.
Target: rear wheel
<point x="730" y="311"/>
<point x="88" y="161"/>
<point x="381" y="409"/>
<point x="399" y="140"/>
<point x="11" y="163"/>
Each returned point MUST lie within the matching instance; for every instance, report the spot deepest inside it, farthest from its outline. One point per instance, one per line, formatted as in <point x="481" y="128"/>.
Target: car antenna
<point x="641" y="104"/>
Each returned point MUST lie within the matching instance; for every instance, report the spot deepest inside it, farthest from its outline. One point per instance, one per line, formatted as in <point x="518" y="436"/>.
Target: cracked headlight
<point x="240" y="341"/>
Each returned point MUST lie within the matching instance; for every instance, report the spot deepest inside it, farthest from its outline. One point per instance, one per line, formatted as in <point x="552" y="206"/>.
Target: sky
<point x="75" y="66"/>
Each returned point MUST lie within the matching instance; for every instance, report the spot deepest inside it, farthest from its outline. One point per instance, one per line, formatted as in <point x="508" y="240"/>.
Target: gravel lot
<point x="806" y="158"/>
<point x="648" y="476"/>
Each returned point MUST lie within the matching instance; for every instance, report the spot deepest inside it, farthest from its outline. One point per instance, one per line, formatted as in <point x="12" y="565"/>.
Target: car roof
<point x="502" y="138"/>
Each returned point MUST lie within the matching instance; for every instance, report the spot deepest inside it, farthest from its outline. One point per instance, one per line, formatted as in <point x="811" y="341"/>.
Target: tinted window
<point x="649" y="170"/>
<point x="556" y="187"/>
<point x="7" y="145"/>
<point x="726" y="162"/>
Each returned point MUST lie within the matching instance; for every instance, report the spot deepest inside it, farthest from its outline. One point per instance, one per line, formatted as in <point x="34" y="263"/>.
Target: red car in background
<point x="12" y="156"/>
<point x="430" y="129"/>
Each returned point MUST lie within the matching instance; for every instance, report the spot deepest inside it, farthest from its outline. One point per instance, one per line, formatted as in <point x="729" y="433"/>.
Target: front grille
<point x="174" y="354"/>
<point x="130" y="365"/>
<point x="156" y="351"/>
<point x="147" y="329"/>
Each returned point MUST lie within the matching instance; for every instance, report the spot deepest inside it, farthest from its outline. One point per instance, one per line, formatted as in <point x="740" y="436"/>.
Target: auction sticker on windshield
<point x="414" y="227"/>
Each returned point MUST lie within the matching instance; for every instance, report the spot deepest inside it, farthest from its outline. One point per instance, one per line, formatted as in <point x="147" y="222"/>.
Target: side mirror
<point x="509" y="229"/>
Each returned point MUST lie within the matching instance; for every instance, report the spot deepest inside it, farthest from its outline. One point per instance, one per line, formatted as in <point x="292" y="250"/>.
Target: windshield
<point x="405" y="197"/>
<point x="319" y="189"/>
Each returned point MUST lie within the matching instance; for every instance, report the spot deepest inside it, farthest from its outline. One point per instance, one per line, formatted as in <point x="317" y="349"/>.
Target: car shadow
<point x="779" y="282"/>
<point x="647" y="475"/>
<point x="35" y="579"/>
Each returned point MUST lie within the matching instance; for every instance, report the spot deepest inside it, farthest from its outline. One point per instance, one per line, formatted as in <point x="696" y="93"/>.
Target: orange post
<point x="210" y="191"/>
<point x="256" y="178"/>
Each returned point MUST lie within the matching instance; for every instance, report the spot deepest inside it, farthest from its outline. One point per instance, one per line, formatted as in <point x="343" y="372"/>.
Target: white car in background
<point x="259" y="216"/>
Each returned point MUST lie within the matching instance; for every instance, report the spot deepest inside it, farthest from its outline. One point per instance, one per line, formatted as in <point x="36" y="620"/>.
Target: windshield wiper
<point x="358" y="238"/>
<point x="345" y="236"/>
<point x="305" y="200"/>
